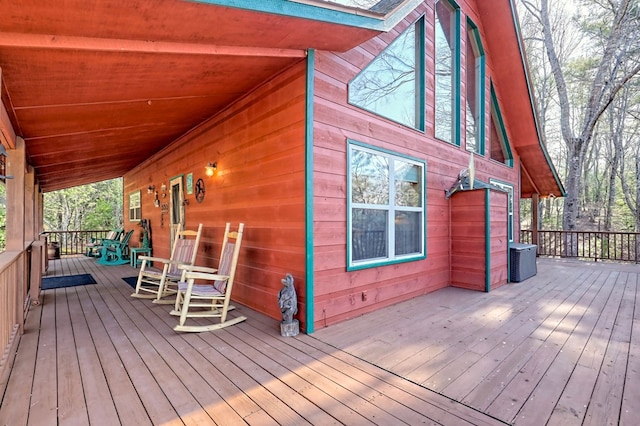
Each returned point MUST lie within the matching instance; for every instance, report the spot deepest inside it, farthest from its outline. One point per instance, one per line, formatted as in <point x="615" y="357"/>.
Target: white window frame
<point x="391" y="257"/>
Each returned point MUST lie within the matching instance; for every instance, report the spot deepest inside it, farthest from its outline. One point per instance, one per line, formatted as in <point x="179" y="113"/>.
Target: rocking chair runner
<point x="115" y="252"/>
<point x="156" y="283"/>
<point x="215" y="297"/>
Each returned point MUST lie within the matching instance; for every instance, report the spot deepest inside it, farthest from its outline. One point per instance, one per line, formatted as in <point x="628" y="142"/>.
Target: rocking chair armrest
<point x="205" y="276"/>
<point x="154" y="259"/>
<point x="194" y="268"/>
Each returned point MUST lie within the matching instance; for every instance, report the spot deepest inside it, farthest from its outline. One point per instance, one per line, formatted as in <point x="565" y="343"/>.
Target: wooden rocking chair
<point x="155" y="282"/>
<point x="115" y="252"/>
<point x="211" y="299"/>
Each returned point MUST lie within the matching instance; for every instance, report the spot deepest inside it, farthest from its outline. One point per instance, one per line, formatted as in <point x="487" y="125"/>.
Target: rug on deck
<point x="49" y="283"/>
<point x="132" y="281"/>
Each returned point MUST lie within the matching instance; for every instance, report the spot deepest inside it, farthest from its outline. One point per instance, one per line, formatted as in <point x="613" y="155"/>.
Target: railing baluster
<point x="618" y="246"/>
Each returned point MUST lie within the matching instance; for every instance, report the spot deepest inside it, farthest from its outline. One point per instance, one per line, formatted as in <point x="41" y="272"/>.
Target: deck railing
<point x="20" y="275"/>
<point x="74" y="242"/>
<point x="594" y="245"/>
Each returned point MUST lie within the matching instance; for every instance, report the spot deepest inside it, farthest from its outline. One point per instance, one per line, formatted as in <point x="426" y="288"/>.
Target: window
<point x="509" y="189"/>
<point x="391" y="85"/>
<point x="386" y="221"/>
<point x="446" y="69"/>
<point x="135" y="209"/>
<point x="498" y="141"/>
<point x="474" y="90"/>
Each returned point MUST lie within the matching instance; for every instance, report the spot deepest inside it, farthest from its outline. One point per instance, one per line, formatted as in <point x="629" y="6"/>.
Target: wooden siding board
<point x="258" y="144"/>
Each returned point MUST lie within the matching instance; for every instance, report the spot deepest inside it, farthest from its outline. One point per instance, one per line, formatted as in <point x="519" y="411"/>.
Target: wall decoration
<point x="190" y="183"/>
<point x="200" y="190"/>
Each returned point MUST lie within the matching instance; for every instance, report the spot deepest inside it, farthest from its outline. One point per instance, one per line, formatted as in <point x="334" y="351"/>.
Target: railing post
<point x="535" y="219"/>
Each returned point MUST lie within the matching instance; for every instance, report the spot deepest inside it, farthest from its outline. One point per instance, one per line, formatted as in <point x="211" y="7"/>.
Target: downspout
<point x="308" y="171"/>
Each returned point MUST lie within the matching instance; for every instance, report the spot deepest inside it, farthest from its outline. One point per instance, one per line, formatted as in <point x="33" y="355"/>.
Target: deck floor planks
<point x="157" y="365"/>
<point x="550" y="388"/>
<point x="491" y="371"/>
<point x="94" y="381"/>
<point x="553" y="364"/>
<point x="157" y="405"/>
<point x="578" y="329"/>
<point x="123" y="392"/>
<point x="72" y="409"/>
<point x="608" y="392"/>
<point x="631" y="396"/>
<point x="43" y="406"/>
<point x="428" y="404"/>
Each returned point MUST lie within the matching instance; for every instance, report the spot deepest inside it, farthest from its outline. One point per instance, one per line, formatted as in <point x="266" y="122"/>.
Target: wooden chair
<point x="157" y="282"/>
<point x="210" y="300"/>
<point x="115" y="252"/>
<point x="94" y="247"/>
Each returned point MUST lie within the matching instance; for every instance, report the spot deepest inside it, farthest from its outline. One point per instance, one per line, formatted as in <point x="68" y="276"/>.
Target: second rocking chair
<point x="210" y="300"/>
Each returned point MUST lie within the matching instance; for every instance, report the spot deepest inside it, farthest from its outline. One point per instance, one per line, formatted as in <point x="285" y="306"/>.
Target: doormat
<point x="132" y="281"/>
<point x="49" y="283"/>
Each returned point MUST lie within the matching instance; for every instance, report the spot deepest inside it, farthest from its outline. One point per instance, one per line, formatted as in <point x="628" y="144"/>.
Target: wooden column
<point x="16" y="165"/>
<point x="535" y="218"/>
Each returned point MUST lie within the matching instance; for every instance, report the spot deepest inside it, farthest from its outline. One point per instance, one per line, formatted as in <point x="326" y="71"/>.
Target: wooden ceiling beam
<point x="47" y="41"/>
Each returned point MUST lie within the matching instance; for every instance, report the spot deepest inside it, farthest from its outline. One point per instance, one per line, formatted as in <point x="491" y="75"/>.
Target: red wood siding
<point x="259" y="145"/>
<point x="340" y="294"/>
<point x="468" y="239"/>
<point x="499" y="242"/>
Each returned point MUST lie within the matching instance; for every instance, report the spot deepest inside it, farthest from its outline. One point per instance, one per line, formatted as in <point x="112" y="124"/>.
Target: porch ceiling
<point x="95" y="88"/>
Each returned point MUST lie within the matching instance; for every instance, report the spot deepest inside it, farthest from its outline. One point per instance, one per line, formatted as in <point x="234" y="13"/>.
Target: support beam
<point x="535" y="218"/>
<point x="16" y="165"/>
<point x="7" y="134"/>
<point x="47" y="41"/>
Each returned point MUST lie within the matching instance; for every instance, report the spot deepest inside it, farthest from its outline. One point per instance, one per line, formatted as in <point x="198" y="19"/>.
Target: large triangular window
<point x="391" y="85"/>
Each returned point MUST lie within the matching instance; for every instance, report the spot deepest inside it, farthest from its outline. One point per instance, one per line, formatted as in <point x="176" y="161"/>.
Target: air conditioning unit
<point x="523" y="261"/>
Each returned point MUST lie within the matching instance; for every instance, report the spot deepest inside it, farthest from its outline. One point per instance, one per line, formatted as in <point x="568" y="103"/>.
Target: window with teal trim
<point x="446" y="70"/>
<point x="498" y="141"/>
<point x="474" y="90"/>
<point x="391" y="85"/>
<point x="386" y="221"/>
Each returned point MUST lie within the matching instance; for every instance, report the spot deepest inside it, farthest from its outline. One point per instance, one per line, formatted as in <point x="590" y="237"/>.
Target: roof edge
<point x="325" y="12"/>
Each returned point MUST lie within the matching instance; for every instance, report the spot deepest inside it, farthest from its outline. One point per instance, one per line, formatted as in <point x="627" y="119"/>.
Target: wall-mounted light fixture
<point x="150" y="189"/>
<point x="211" y="168"/>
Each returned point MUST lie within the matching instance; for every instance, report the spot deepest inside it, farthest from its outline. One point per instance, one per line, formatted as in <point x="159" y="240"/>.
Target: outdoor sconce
<point x="150" y="189"/>
<point x="164" y="190"/>
<point x="211" y="168"/>
<point x="3" y="163"/>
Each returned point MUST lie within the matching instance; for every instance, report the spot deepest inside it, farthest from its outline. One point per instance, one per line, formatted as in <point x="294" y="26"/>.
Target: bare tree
<point x="612" y="30"/>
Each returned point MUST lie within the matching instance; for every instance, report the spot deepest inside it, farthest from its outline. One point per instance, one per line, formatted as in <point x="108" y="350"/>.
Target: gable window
<point x="498" y="141"/>
<point x="386" y="214"/>
<point x="509" y="189"/>
<point x="135" y="208"/>
<point x="474" y="90"/>
<point x="447" y="63"/>
<point x="391" y="85"/>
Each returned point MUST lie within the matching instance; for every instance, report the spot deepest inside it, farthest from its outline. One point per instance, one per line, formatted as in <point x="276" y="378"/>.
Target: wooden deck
<point x="93" y="355"/>
<point x="561" y="348"/>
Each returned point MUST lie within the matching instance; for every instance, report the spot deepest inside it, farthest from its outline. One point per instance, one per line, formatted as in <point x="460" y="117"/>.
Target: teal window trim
<point x="474" y="33"/>
<point x="509" y="188"/>
<point x="420" y="73"/>
<point x="455" y="138"/>
<point x="502" y="132"/>
<point x="308" y="171"/>
<point x="354" y="266"/>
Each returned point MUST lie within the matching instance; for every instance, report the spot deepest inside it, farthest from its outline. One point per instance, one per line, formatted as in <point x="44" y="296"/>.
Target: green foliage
<point x="89" y="207"/>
